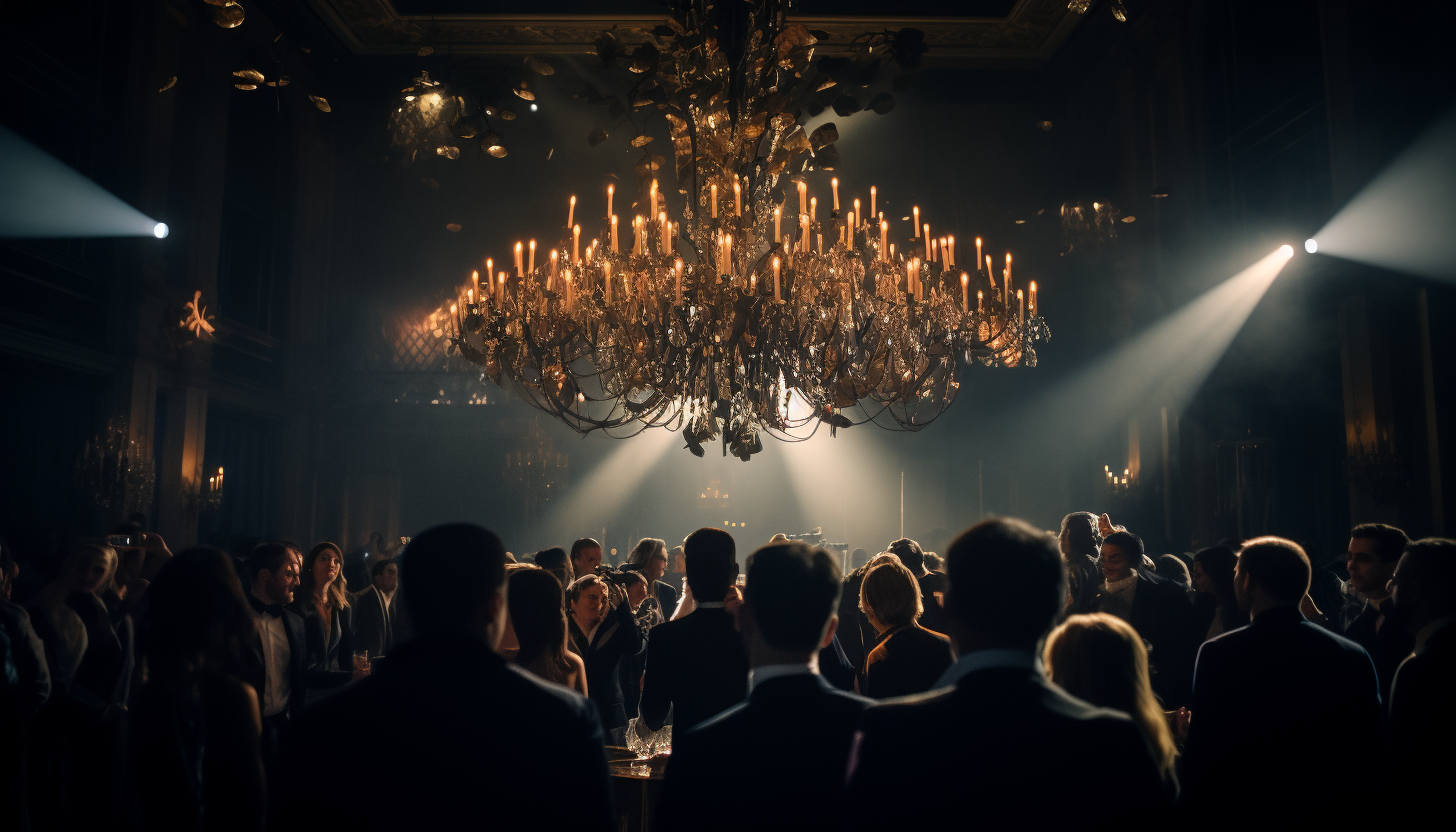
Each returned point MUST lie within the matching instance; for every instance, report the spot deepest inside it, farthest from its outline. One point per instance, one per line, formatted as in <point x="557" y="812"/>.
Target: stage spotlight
<point x="45" y="197"/>
<point x="160" y="230"/>
<point x="1287" y="251"/>
<point x="1311" y="246"/>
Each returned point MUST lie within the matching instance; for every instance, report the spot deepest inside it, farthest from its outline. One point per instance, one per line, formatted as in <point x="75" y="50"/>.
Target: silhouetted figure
<point x="1000" y="746"/>
<point x="1078" y="542"/>
<point x="376" y="608"/>
<point x="1422" y="722"/>
<point x="1215" y="606"/>
<point x="196" y="750"/>
<point x="555" y="561"/>
<point x="1375" y="548"/>
<point x="25" y="685"/>
<point x="603" y="632"/>
<point x="1158" y="609"/>
<point x="696" y="665"/>
<point x="463" y="724"/>
<point x="781" y="753"/>
<point x="932" y="584"/>
<point x="906" y="658"/>
<point x="1276" y="705"/>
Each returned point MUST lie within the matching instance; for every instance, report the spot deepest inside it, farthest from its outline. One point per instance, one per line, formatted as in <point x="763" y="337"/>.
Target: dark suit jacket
<point x="330" y="662"/>
<point x="934" y="618"/>
<point x="908" y="661"/>
<point x="470" y="741"/>
<point x="1162" y="614"/>
<point x="1277" y="707"/>
<point x="297" y="661"/>
<point x="617" y="638"/>
<point x="1387" y="646"/>
<point x="373" y="624"/>
<point x="780" y="754"/>
<point x="666" y="598"/>
<point x="1423" y="730"/>
<point x="1002" y="749"/>
<point x="835" y="666"/>
<point x="697" y="666"/>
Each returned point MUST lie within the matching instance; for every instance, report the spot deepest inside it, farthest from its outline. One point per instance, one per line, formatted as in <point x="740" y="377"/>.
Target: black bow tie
<point x="271" y="610"/>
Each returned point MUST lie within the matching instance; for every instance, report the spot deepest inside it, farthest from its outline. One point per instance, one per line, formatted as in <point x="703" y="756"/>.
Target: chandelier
<point x="741" y="305"/>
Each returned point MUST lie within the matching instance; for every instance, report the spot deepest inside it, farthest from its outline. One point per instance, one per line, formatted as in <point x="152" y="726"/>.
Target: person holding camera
<point x="603" y="631"/>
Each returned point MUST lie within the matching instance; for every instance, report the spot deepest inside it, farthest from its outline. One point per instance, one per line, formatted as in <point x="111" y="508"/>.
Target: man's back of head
<point x="1271" y="572"/>
<point x="711" y="567"/>
<point x="909" y="553"/>
<point x="449" y="575"/>
<point x="1024" y="565"/>
<point x="791" y="591"/>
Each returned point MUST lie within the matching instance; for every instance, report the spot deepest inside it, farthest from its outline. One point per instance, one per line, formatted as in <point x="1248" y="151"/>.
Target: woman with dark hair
<point x="538" y="616"/>
<point x="1078" y="541"/>
<point x="196" y="755"/>
<point x="905" y="658"/>
<point x="328" y="621"/>
<point x="1215" y="607"/>
<point x="77" y="737"/>
<point x="1101" y="659"/>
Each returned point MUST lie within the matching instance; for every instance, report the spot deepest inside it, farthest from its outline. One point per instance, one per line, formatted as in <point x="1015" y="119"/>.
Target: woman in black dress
<point x="328" y="621"/>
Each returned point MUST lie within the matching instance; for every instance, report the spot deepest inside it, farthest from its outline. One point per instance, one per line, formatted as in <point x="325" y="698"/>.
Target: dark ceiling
<point x="833" y="8"/>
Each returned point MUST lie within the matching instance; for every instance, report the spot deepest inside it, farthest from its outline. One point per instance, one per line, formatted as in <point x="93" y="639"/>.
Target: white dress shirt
<point x="276" y="655"/>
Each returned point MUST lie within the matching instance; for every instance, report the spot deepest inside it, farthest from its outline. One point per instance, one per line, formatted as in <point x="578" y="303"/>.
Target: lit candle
<point x="858" y="217"/>
<point x="873" y="212"/>
<point x="737" y="198"/>
<point x="652" y="199"/>
<point x="915" y="232"/>
<point x="989" y="276"/>
<point x="803" y="196"/>
<point x="570" y="296"/>
<point x="531" y="269"/>
<point x="813" y="208"/>
<point x="1022" y="302"/>
<point x="607" y="279"/>
<point x="500" y="287"/>
<point x="978" y="252"/>
<point x="713" y="199"/>
<point x="519" y="267"/>
<point x="611" y="189"/>
<point x="677" y="269"/>
<point x="834" y="184"/>
<point x="892" y="251"/>
<point x="821" y="242"/>
<point x="934" y="250"/>
<point x="778" y="214"/>
<point x="1033" y="298"/>
<point x="551" y="278"/>
<point x="926" y="229"/>
<point x="1008" y="268"/>
<point x="884" y="241"/>
<point x="614" y="233"/>
<point x="576" y="244"/>
<point x="803" y="232"/>
<point x="950" y="243"/>
<point x="980" y="297"/>
<point x="475" y="280"/>
<point x="776" y="279"/>
<point x="662" y="218"/>
<point x="966" y="293"/>
<point x="571" y="213"/>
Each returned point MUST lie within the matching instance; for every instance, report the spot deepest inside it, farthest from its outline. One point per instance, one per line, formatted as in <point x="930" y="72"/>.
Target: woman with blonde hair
<point x="906" y="658"/>
<point x="328" y="621"/>
<point x="1100" y="659"/>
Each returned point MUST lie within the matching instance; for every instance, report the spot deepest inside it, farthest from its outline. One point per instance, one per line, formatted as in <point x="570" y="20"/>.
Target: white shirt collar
<point x="986" y="660"/>
<point x="759" y="675"/>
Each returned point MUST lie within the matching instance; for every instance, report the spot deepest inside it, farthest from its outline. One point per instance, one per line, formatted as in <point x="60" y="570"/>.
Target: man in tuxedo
<point x="1157" y="608"/>
<point x="603" y="631"/>
<point x="1422" y="722"/>
<point x="376" y="608"/>
<point x="464" y="723"/>
<point x="696" y="665"/>
<point x="1374" y="550"/>
<point x="1276" y="705"/>
<point x="586" y="556"/>
<point x="781" y="753"/>
<point x="996" y="743"/>
<point x="278" y="657"/>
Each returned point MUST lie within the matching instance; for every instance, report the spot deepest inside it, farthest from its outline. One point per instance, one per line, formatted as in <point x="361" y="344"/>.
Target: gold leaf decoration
<point x="426" y="51"/>
<point x="171" y="82"/>
<point x="229" y="15"/>
<point x="596" y="136"/>
<point x="539" y="66"/>
<point x="448" y="151"/>
<point x="452" y="227"/>
<point x="642" y="140"/>
<point x="320" y="102"/>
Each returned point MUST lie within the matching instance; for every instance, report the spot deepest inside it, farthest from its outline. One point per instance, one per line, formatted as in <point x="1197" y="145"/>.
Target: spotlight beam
<point x="1403" y="219"/>
<point x="1165" y="365"/>
<point x="44" y="197"/>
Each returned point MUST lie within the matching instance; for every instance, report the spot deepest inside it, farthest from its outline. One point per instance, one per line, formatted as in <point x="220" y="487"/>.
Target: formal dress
<point x="696" y="667"/>
<point x="1279" y="707"/>
<point x="1162" y="614"/>
<point x="997" y="746"/>
<point x="778" y="757"/>
<point x="1423" y="728"/>
<point x="470" y="741"/>
<point x="1386" y="641"/>
<point x="616" y="639"/>
<point x="374" y="621"/>
<point x="905" y="661"/>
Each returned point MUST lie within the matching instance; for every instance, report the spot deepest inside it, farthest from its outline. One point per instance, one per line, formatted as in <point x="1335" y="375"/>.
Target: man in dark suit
<point x="1276" y="705"/>
<point x="1373" y="552"/>
<point x="932" y="584"/>
<point x="696" y="665"/>
<point x="278" y="659"/>
<point x="376" y="608"/>
<point x="996" y="744"/>
<point x="603" y="631"/>
<point x="781" y="753"/>
<point x="1422" y="722"/>
<point x="1157" y="608"/>
<point x="463" y="723"/>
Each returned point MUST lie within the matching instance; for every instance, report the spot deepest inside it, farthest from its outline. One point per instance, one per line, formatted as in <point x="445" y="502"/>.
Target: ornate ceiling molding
<point x="1028" y="35"/>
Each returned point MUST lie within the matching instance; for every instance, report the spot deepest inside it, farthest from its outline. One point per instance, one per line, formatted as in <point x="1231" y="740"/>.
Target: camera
<point x="613" y="576"/>
<point x="123" y="540"/>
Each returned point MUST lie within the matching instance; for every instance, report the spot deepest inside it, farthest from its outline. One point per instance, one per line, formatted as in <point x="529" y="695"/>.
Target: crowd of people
<point x="1025" y="676"/>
